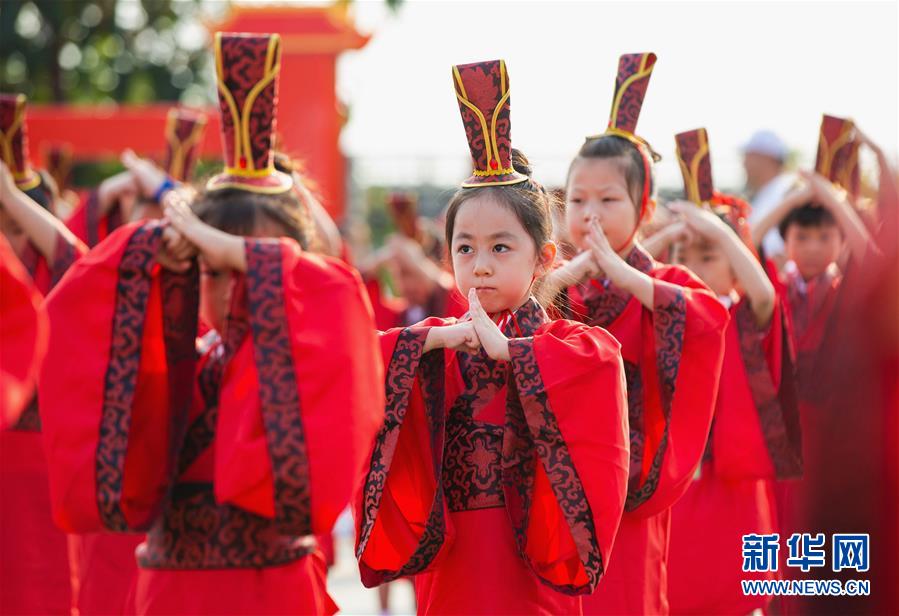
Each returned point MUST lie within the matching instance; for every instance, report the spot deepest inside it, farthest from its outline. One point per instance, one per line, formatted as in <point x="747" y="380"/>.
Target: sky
<point x="729" y="66"/>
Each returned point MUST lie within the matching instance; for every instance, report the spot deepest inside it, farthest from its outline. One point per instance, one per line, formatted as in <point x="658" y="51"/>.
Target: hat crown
<point x="695" y="162"/>
<point x="837" y="157"/>
<point x="482" y="91"/>
<point x="247" y="68"/>
<point x="14" y="140"/>
<point x="183" y="134"/>
<point x="634" y="71"/>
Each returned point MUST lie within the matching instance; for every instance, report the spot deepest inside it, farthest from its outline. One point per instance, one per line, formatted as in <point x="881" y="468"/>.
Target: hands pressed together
<point x="186" y="236"/>
<point x="477" y="331"/>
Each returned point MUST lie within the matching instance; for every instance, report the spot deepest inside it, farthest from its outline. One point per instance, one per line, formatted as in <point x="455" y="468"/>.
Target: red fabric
<point x="297" y="588"/>
<point x="339" y="380"/>
<point x="479" y="567"/>
<point x="736" y="416"/>
<point x="126" y="259"/>
<point x="639" y="586"/>
<point x="24" y="331"/>
<point x="707" y="527"/>
<point x="34" y="568"/>
<point x="104" y="572"/>
<point x="84" y="331"/>
<point x="733" y="496"/>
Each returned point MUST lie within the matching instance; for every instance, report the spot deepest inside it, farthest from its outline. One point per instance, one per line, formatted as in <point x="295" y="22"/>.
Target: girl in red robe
<point x="235" y="450"/>
<point x="755" y="433"/>
<point x="33" y="551"/>
<point x="499" y="476"/>
<point x="671" y="330"/>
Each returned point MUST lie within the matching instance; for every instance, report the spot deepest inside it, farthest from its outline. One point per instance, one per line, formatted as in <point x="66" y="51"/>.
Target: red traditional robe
<point x="808" y="306"/>
<point x="232" y="452"/>
<point x="672" y="359"/>
<point x="23" y="330"/>
<point x="498" y="485"/>
<point x="755" y="439"/>
<point x="35" y="571"/>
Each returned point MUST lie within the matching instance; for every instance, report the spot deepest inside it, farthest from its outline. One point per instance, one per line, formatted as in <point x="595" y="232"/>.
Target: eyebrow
<point x="500" y="235"/>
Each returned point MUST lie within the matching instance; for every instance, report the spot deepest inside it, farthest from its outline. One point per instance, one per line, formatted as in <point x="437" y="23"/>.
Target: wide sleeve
<point x="23" y="329"/>
<point x="116" y="384"/>
<point x="771" y="424"/>
<point x="401" y="518"/>
<point x="565" y="452"/>
<point x="672" y="395"/>
<point x="302" y="396"/>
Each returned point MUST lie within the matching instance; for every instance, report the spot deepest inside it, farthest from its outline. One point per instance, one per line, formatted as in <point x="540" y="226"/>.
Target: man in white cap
<point x="764" y="156"/>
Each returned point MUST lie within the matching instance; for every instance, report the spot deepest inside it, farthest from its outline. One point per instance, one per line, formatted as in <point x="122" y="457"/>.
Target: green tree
<point x="92" y="51"/>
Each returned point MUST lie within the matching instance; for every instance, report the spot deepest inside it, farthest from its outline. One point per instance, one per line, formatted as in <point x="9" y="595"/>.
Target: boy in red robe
<point x="817" y="223"/>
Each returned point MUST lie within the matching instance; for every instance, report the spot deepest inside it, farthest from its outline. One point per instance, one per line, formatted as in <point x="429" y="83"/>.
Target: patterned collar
<point x="525" y="321"/>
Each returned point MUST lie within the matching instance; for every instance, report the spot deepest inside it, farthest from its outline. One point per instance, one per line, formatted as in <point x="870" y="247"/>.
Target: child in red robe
<point x="817" y="223"/>
<point x="499" y="476"/>
<point x="671" y="329"/>
<point x="755" y="432"/>
<point x="235" y="450"/>
<point x="35" y="564"/>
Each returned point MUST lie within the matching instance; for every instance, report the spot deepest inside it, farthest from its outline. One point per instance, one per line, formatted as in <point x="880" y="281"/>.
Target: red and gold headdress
<point x="247" y="67"/>
<point x="14" y="140"/>
<point x="184" y="130"/>
<point x="695" y="161"/>
<point x="695" y="165"/>
<point x="482" y="90"/>
<point x="634" y="71"/>
<point x="58" y="162"/>
<point x="837" y="158"/>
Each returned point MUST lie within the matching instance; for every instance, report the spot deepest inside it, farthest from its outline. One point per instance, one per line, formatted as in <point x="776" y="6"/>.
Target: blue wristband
<point x="167" y="185"/>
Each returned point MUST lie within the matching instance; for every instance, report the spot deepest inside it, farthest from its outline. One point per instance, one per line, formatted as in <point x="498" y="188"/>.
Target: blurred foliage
<point x="95" y="51"/>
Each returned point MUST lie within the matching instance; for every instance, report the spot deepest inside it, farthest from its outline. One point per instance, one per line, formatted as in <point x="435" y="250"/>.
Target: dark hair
<point x="808" y="215"/>
<point x="240" y="212"/>
<point x="613" y="146"/>
<point x="528" y="200"/>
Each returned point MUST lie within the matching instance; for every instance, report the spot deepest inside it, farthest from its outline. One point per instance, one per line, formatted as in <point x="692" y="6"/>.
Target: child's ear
<point x="547" y="257"/>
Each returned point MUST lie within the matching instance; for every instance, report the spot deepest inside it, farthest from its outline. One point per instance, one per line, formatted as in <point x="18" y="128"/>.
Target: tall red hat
<point x="184" y="130"/>
<point x="695" y="165"/>
<point x="695" y="161"/>
<point x="634" y="71"/>
<point x="482" y="90"/>
<point x="14" y="140"/>
<point x="837" y="158"/>
<point x="247" y="68"/>
<point x="58" y="162"/>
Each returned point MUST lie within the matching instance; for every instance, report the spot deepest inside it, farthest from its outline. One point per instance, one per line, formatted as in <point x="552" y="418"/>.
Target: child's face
<point x="708" y="261"/>
<point x="812" y="248"/>
<point x="597" y="189"/>
<point x="216" y="286"/>
<point x="493" y="253"/>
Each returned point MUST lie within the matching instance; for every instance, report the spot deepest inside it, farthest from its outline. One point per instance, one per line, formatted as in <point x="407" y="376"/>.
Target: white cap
<point x="767" y="143"/>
